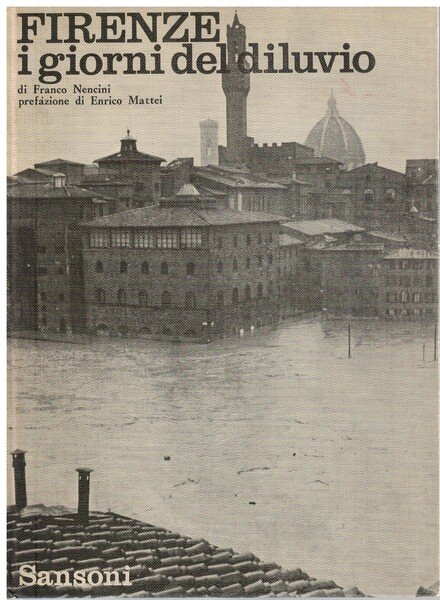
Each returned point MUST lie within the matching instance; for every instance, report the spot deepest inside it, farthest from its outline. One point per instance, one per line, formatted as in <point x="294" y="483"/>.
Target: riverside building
<point x="185" y="269"/>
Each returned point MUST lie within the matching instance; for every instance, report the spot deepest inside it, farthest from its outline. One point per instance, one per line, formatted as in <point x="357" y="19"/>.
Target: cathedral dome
<point x="333" y="137"/>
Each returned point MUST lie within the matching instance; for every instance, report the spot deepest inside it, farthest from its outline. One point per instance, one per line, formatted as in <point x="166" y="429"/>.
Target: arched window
<point x="219" y="267"/>
<point x="248" y="239"/>
<point x="99" y="267"/>
<point x="270" y="288"/>
<point x="260" y="290"/>
<point x="235" y="241"/>
<point x="164" y="268"/>
<point x="190" y="300"/>
<point x="99" y="296"/>
<point x="166" y="299"/>
<point x="368" y="195"/>
<point x="260" y="260"/>
<point x="235" y="265"/>
<point x="123" y="267"/>
<point x="220" y="298"/>
<point x="190" y="268"/>
<point x="143" y="298"/>
<point x="122" y="296"/>
<point x="270" y="258"/>
<point x="248" y="263"/>
<point x="247" y="293"/>
<point x="235" y="296"/>
<point x="404" y="296"/>
<point x="144" y="268"/>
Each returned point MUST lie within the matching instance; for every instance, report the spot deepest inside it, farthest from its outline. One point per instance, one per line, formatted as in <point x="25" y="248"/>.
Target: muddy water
<point x="278" y="444"/>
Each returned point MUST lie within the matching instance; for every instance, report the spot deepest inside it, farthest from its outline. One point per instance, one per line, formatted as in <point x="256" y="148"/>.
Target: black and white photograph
<point x="222" y="302"/>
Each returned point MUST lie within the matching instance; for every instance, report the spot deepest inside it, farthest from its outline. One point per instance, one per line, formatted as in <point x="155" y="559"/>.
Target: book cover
<point x="222" y="302"/>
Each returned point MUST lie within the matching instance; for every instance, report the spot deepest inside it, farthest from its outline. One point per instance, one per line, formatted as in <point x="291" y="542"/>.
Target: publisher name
<point x="29" y="576"/>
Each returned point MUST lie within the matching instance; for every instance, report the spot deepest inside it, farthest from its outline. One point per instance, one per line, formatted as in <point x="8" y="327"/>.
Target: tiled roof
<point x="393" y="237"/>
<point x="181" y="216"/>
<point x="161" y="563"/>
<point x="47" y="190"/>
<point x="356" y="247"/>
<point x="235" y="179"/>
<point x="323" y="226"/>
<point x="59" y="161"/>
<point x="411" y="253"/>
<point x="130" y="157"/>
<point x="316" y="160"/>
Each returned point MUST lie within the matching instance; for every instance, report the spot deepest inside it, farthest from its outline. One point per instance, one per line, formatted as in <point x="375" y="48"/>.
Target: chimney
<point x="19" y="464"/>
<point x="83" y="494"/>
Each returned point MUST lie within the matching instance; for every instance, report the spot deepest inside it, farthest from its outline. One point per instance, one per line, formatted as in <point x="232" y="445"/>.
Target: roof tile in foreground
<point x="161" y="563"/>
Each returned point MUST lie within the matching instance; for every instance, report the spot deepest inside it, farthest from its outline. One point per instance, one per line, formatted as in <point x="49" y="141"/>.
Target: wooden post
<point x="349" y="341"/>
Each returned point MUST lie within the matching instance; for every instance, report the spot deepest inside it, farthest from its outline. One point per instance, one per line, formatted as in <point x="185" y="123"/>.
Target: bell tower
<point x="236" y="85"/>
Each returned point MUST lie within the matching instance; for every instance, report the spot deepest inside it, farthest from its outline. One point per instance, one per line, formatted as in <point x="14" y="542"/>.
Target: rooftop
<point x="129" y="153"/>
<point x="288" y="240"/>
<point x="356" y="247"/>
<point x="59" y="161"/>
<point x="181" y="216"/>
<point x="323" y="226"/>
<point x="235" y="179"/>
<point x="34" y="190"/>
<point x="161" y="563"/>
<point x="392" y="237"/>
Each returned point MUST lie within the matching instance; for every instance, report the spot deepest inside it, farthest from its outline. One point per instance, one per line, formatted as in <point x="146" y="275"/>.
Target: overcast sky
<point x="393" y="108"/>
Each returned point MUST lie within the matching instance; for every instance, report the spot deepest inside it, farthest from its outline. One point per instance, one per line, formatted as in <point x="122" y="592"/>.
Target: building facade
<point x="377" y="195"/>
<point x="181" y="270"/>
<point x="45" y="269"/>
<point x="351" y="279"/>
<point x="422" y="185"/>
<point x="409" y="284"/>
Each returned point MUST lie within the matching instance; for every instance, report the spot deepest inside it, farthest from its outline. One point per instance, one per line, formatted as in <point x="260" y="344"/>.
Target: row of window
<point x="390" y="195"/>
<point x="160" y="238"/>
<point x="145" y="267"/>
<point x="146" y="238"/>
<point x="408" y="297"/>
<point x="190" y="266"/>
<point x="190" y="299"/>
<point x="415" y="265"/>
<point x="407" y="312"/>
<point x="405" y="280"/>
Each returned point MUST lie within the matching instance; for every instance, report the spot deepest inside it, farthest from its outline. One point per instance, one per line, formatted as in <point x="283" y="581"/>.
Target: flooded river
<point x="278" y="444"/>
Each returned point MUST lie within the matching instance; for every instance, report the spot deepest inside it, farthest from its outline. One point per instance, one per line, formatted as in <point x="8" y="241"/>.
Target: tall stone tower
<point x="236" y="85"/>
<point x="208" y="142"/>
